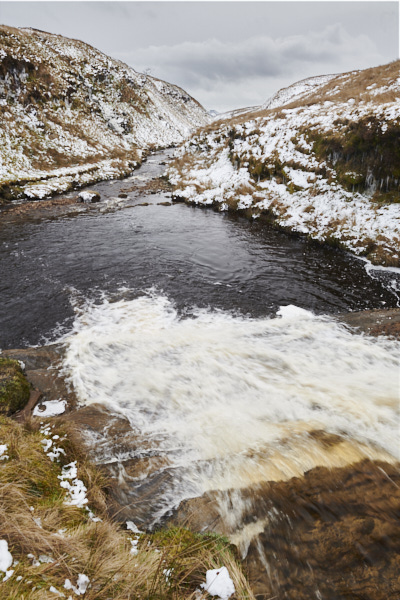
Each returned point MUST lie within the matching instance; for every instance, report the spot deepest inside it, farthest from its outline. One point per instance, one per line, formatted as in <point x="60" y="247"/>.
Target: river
<point x="213" y="336"/>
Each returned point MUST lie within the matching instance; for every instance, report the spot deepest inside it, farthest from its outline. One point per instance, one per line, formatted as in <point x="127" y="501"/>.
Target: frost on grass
<point x="326" y="168"/>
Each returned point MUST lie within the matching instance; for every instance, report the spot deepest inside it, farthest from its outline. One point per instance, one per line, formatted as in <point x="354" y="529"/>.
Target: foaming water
<point x="232" y="400"/>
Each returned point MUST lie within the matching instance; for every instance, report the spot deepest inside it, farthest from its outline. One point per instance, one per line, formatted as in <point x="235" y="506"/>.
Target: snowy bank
<point x="327" y="169"/>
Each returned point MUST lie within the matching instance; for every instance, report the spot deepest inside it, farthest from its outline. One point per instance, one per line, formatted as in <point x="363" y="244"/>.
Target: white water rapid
<point x="233" y="400"/>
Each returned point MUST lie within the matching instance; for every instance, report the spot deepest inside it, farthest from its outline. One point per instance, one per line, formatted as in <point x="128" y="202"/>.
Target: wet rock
<point x="88" y="196"/>
<point x="26" y="412"/>
<point x="137" y="474"/>
<point x="37" y="358"/>
<point x="200" y="514"/>
<point x="178" y="198"/>
<point x="122" y="195"/>
<point x="335" y="533"/>
<point x="164" y="204"/>
<point x="331" y="534"/>
<point x="374" y="322"/>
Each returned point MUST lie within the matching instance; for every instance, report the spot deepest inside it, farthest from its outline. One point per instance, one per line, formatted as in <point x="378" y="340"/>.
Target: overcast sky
<point x="225" y="54"/>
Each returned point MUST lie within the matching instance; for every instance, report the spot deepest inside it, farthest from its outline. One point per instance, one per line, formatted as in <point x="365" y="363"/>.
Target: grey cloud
<point x="225" y="54"/>
<point x="214" y="60"/>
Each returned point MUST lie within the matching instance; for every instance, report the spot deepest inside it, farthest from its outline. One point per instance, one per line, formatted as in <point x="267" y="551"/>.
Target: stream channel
<point x="214" y="338"/>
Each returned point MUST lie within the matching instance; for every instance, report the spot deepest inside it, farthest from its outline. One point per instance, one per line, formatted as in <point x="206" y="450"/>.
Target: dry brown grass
<point x="76" y="544"/>
<point x="350" y="85"/>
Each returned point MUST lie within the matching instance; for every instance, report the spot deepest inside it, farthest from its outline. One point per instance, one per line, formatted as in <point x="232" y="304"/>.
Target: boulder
<point x="88" y="196"/>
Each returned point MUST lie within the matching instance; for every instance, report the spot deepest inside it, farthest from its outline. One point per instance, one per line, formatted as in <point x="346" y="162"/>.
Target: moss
<point x="386" y="197"/>
<point x="260" y="170"/>
<point x="180" y="540"/>
<point x="292" y="188"/>
<point x="14" y="387"/>
<point x="365" y="155"/>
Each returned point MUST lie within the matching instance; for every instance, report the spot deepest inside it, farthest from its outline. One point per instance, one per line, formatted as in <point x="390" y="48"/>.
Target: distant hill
<point x="296" y="91"/>
<point x="70" y="115"/>
<point x="321" y="157"/>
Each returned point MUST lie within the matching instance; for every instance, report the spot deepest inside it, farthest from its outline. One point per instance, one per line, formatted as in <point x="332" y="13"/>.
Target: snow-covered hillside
<point x="297" y="90"/>
<point x="294" y="92"/>
<point x="322" y="160"/>
<point x="70" y="115"/>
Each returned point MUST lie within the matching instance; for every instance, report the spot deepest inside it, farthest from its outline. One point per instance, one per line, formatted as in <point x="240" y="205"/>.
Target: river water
<point x="214" y="336"/>
<point x="195" y="257"/>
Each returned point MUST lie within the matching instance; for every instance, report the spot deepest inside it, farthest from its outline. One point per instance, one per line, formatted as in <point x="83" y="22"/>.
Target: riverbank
<point x="72" y="116"/>
<point x="71" y="205"/>
<point x="324" y="166"/>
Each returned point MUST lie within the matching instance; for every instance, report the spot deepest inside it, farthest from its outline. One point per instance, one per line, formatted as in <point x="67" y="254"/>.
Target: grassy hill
<point x="321" y="158"/>
<point x="70" y="115"/>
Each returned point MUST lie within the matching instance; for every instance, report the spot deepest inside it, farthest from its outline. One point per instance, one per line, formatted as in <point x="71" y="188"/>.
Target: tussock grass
<point x="34" y="519"/>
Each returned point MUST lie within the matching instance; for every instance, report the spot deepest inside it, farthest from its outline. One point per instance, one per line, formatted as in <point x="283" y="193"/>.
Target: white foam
<point x="214" y="385"/>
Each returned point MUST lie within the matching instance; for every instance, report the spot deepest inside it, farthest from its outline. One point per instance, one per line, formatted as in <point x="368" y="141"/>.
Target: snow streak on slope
<point x="71" y="115"/>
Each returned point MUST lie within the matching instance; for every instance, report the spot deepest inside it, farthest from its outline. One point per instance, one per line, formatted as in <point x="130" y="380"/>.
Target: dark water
<point x="197" y="257"/>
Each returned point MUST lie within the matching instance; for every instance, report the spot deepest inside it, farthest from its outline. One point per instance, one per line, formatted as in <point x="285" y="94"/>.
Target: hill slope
<point x="70" y="115"/>
<point x="325" y="164"/>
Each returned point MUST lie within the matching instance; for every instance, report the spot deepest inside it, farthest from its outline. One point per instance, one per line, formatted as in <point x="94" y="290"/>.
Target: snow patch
<point x="6" y="560"/>
<point x="52" y="408"/>
<point x="218" y="583"/>
<point x="3" y="450"/>
<point x="81" y="585"/>
<point x="74" y="486"/>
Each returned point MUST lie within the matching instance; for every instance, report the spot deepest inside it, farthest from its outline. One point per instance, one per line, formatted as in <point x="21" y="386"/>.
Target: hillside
<point x="70" y="115"/>
<point x="322" y="158"/>
<point x="296" y="91"/>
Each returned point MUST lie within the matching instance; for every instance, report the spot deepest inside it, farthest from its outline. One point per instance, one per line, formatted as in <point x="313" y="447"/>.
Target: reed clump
<point x="53" y="541"/>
